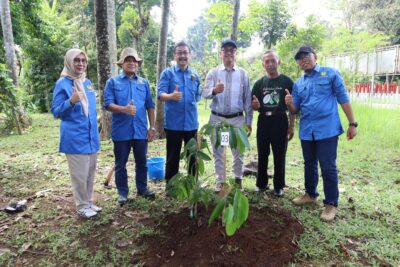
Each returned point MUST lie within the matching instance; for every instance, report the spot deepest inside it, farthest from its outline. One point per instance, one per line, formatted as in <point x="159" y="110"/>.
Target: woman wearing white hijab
<point x="74" y="102"/>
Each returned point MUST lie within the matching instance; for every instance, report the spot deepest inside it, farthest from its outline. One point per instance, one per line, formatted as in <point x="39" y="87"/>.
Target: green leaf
<point x="230" y="224"/>
<point x="217" y="210"/>
<point x="233" y="138"/>
<point x="242" y="211"/>
<point x="243" y="136"/>
<point x="201" y="167"/>
<point x="203" y="156"/>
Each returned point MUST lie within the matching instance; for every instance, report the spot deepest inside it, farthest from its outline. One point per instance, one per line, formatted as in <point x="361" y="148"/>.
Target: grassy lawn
<point x="365" y="232"/>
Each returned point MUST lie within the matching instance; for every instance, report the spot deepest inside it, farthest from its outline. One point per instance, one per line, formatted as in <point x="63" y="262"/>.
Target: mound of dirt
<point x="267" y="238"/>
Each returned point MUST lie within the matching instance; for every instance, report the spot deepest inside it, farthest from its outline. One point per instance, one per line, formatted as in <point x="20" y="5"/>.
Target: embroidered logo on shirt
<point x="323" y="73"/>
<point x="89" y="87"/>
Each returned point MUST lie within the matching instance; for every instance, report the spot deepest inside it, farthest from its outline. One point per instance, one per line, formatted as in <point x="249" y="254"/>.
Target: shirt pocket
<point x="303" y="92"/>
<point x="140" y="92"/>
<point x="121" y="95"/>
<point x="322" y="88"/>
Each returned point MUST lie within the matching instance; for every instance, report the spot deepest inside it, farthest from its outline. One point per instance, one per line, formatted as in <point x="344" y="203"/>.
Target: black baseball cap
<point x="303" y="49"/>
<point x="228" y="42"/>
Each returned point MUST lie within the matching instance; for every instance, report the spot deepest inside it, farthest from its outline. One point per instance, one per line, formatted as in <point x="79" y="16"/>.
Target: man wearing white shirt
<point x="229" y="88"/>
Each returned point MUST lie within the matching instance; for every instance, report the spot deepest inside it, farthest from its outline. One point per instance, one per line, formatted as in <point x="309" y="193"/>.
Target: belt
<point x="271" y="113"/>
<point x="227" y="116"/>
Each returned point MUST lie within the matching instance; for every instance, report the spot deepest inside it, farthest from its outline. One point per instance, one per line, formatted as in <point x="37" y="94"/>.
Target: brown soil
<point x="267" y="238"/>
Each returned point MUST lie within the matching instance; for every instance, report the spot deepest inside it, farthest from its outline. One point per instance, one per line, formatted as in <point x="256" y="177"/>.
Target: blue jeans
<point x="323" y="151"/>
<point x="121" y="153"/>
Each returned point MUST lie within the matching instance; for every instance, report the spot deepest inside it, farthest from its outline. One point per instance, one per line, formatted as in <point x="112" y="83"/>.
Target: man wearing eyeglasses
<point x="316" y="95"/>
<point x="179" y="88"/>
<point x="229" y="88"/>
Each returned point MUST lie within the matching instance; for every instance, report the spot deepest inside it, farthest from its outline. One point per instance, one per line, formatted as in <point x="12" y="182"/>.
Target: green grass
<point x="366" y="229"/>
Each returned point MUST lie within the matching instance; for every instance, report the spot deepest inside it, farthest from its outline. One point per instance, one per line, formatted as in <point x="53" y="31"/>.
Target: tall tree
<point x="104" y="63"/>
<point x="162" y="62"/>
<point x="10" y="52"/>
<point x="235" y="22"/>
<point x="269" y="20"/>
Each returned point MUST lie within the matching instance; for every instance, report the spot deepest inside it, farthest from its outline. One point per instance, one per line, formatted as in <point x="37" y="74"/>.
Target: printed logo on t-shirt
<point x="271" y="96"/>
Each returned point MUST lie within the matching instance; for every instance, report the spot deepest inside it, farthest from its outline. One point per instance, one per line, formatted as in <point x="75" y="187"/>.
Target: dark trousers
<point x="323" y="151"/>
<point x="174" y="145"/>
<point x="122" y="150"/>
<point x="272" y="132"/>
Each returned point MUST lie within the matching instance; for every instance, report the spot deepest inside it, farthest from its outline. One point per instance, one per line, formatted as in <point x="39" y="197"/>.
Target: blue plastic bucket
<point x="155" y="168"/>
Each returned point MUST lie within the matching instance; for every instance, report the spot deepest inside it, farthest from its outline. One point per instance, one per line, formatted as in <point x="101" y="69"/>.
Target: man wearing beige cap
<point x="129" y="98"/>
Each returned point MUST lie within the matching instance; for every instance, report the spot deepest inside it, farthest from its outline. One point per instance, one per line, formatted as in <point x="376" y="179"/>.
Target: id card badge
<point x="224" y="138"/>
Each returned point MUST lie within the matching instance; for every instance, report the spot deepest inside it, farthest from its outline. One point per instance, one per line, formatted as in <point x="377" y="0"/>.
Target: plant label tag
<point x="224" y="138"/>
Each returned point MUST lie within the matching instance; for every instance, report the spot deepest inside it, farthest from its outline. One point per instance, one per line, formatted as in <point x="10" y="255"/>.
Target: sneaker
<point x="122" y="200"/>
<point x="147" y="194"/>
<point x="261" y="190"/>
<point x="304" y="199"/>
<point x="95" y="208"/>
<point x="329" y="213"/>
<point x="87" y="213"/>
<point x="218" y="187"/>
<point x="279" y="192"/>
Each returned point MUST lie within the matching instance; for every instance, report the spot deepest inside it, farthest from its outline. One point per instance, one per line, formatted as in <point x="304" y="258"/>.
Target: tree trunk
<point x="104" y="12"/>
<point x="235" y="20"/>
<point x="161" y="63"/>
<point x="10" y="55"/>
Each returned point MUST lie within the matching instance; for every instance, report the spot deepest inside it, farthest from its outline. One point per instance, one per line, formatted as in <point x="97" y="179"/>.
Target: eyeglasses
<point x="304" y="56"/>
<point x="80" y="60"/>
<point x="229" y="51"/>
<point x="182" y="53"/>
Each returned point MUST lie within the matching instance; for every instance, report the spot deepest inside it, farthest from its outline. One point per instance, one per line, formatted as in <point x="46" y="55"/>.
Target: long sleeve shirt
<point x="78" y="133"/>
<point x="236" y="96"/>
<point x="120" y="90"/>
<point x="316" y="97"/>
<point x="180" y="115"/>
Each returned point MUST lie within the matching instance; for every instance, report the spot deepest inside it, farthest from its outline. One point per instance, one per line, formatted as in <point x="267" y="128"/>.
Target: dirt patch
<point x="268" y="238"/>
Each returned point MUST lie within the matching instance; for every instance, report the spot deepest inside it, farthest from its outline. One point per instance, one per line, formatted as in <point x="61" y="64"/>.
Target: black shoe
<point x="261" y="190"/>
<point x="279" y="192"/>
<point x="147" y="194"/>
<point x="122" y="200"/>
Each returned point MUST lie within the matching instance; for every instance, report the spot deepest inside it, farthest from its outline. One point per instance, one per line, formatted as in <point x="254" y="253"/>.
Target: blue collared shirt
<point x="316" y="97"/>
<point x="120" y="90"/>
<point x="78" y="133"/>
<point x="180" y="115"/>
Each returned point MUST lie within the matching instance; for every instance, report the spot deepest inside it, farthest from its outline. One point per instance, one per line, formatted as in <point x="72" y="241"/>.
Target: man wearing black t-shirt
<point x="273" y="128"/>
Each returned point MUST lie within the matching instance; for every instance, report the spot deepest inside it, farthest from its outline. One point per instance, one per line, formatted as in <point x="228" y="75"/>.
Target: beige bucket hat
<point x="129" y="52"/>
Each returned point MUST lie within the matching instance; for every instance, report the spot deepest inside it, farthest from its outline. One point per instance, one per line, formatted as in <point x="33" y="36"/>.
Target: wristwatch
<point x="355" y="124"/>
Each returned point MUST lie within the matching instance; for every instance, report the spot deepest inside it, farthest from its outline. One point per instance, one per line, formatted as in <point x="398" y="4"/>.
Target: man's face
<point x="307" y="61"/>
<point x="130" y="65"/>
<point x="271" y="63"/>
<point x="228" y="54"/>
<point x="182" y="56"/>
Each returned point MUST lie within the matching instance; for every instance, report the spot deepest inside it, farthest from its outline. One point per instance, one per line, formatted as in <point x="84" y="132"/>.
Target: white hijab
<point x="69" y="71"/>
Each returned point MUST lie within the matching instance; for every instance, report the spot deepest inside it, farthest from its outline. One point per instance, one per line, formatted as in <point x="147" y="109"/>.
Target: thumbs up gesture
<point x="219" y="88"/>
<point x="130" y="109"/>
<point x="76" y="96"/>
<point x="255" y="104"/>
<point x="288" y="98"/>
<point x="176" y="95"/>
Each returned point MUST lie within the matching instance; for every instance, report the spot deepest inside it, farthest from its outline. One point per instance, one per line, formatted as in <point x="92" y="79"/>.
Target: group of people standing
<point x="314" y="95"/>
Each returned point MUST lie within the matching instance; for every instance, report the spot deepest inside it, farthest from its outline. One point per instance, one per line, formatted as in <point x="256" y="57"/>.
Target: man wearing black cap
<point x="229" y="88"/>
<point x="316" y="95"/>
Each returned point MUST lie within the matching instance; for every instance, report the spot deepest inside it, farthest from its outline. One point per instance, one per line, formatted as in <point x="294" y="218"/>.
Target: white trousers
<point x="237" y="162"/>
<point x="82" y="169"/>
